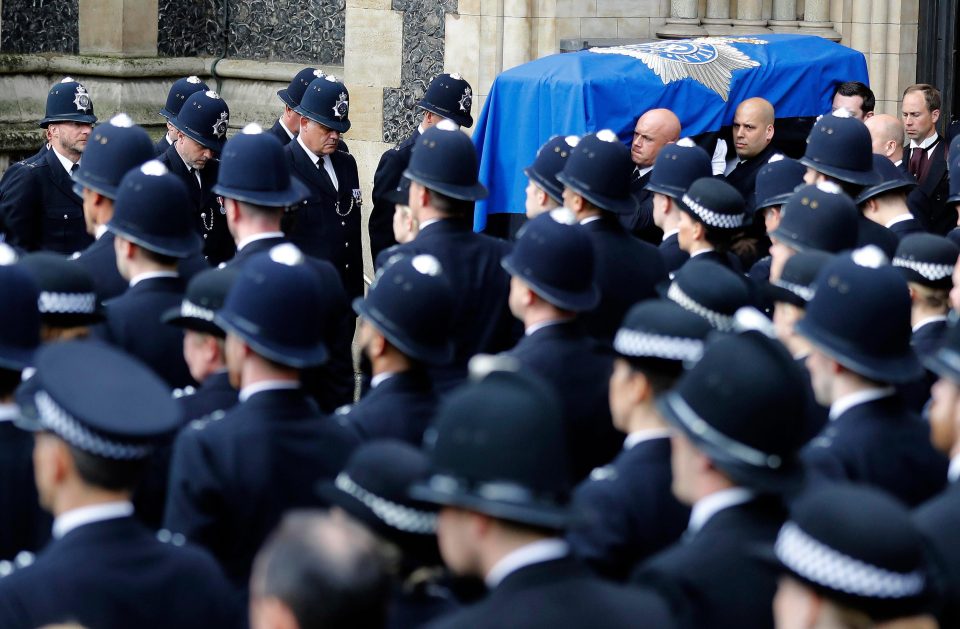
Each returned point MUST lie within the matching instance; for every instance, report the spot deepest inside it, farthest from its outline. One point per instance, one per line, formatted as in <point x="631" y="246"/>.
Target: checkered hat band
<point x="699" y="427"/>
<point x="722" y="322"/>
<point x="72" y="303"/>
<point x="832" y="569"/>
<point x="933" y="272"/>
<point x="803" y="292"/>
<point x="395" y="515"/>
<point x="193" y="311"/>
<point x="711" y="218"/>
<point x="56" y="419"/>
<point x="642" y="344"/>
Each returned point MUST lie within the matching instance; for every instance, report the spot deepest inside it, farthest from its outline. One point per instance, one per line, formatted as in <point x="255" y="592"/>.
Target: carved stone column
<point x="750" y="18"/>
<point x="816" y="20"/>
<point x="684" y="21"/>
<point x="717" y="21"/>
<point x="783" y="19"/>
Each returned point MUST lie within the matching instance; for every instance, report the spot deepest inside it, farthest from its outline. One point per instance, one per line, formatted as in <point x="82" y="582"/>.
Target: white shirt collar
<point x="707" y="507"/>
<point x="149" y="275"/>
<point x="536" y="327"/>
<point x="899" y="218"/>
<point x="66" y="163"/>
<point x="100" y="231"/>
<point x="667" y="234"/>
<point x="261" y="236"/>
<point x="701" y="251"/>
<point x="9" y="412"/>
<point x="380" y="377"/>
<point x="285" y="129"/>
<point x="537" y="552"/>
<point x="266" y="385"/>
<point x="640" y="436"/>
<point x="75" y="518"/>
<point x="846" y="402"/>
<point x="313" y="156"/>
<point x="926" y="143"/>
<point x="429" y="222"/>
<point x="420" y="128"/>
<point x="166" y="136"/>
<point x="589" y="219"/>
<point x="642" y="171"/>
<point x="933" y="319"/>
<point x="953" y="472"/>
<point x="898" y="162"/>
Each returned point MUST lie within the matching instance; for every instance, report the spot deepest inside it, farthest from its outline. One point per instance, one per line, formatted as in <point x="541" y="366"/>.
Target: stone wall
<point x="602" y="19"/>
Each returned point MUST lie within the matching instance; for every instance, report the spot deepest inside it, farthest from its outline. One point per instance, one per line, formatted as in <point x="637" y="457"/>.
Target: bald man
<point x="886" y="131"/>
<point x="752" y="139"/>
<point x="654" y="130"/>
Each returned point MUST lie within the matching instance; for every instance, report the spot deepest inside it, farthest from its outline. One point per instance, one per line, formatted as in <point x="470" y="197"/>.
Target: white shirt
<point x="586" y="221"/>
<point x="75" y="518"/>
<point x="429" y="222"/>
<point x="953" y="472"/>
<point x="694" y="254"/>
<point x="150" y="275"/>
<point x="266" y="385"/>
<point x="638" y="437"/>
<point x="707" y="507"/>
<point x="285" y="129"/>
<point x="845" y="403"/>
<point x="537" y="552"/>
<point x="327" y="164"/>
<point x="899" y="218"/>
<point x="536" y="327"/>
<point x="66" y="163"/>
<point x="640" y="172"/>
<point x="719" y="159"/>
<point x="380" y="378"/>
<point x="100" y="231"/>
<point x="667" y="234"/>
<point x="932" y="319"/>
<point x="9" y="412"/>
<point x="246" y="241"/>
<point x="927" y="144"/>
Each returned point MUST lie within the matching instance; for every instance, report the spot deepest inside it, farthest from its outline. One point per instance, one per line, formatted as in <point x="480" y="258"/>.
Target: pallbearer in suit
<point x="925" y="158"/>
<point x="326" y="224"/>
<point x="752" y="136"/>
<point x="615" y="531"/>
<point x="501" y="489"/>
<point x="886" y="202"/>
<point x="100" y="413"/>
<point x="179" y="92"/>
<point x="544" y="192"/>
<point x="654" y="130"/>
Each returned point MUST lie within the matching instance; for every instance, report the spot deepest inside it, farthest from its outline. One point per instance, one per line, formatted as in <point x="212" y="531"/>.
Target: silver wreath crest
<point x="220" y="126"/>
<point x="82" y="99"/>
<point x="341" y="107"/>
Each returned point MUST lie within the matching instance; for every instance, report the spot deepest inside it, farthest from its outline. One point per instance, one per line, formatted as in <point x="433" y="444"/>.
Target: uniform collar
<point x="380" y="378"/>
<point x="709" y="506"/>
<point x="261" y="236"/>
<point x="846" y="402"/>
<point x="429" y="222"/>
<point x="640" y="436"/>
<point x="667" y="234"/>
<point x="151" y="275"/>
<point x="933" y="319"/>
<point x="66" y="163"/>
<point x="953" y="472"/>
<point x="899" y="218"/>
<point x="75" y="518"/>
<point x="536" y="327"/>
<point x="537" y="552"/>
<point x="100" y="231"/>
<point x="285" y="129"/>
<point x="313" y="156"/>
<point x="266" y="385"/>
<point x="698" y="252"/>
<point x="591" y="219"/>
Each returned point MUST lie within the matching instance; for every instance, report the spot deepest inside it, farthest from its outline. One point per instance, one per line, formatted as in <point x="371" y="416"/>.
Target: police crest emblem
<point x="466" y="100"/>
<point x="709" y="61"/>
<point x="220" y="126"/>
<point x="341" y="107"/>
<point x="81" y="99"/>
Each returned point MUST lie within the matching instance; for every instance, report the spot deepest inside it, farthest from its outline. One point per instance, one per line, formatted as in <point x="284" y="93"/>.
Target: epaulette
<point x="22" y="560"/>
<point x="202" y="422"/>
<point x="168" y="537"/>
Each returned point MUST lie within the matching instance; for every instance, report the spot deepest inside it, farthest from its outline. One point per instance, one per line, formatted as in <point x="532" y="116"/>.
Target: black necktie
<point x="324" y="173"/>
<point x="73" y="169"/>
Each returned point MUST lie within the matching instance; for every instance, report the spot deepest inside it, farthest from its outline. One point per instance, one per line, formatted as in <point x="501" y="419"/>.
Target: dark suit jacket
<point x="231" y="479"/>
<point x="40" y="209"/>
<point x="400" y="407"/>
<point x="879" y="443"/>
<point x="326" y="225"/>
<point x="133" y="324"/>
<point x="744" y="176"/>
<point x="640" y="222"/>
<point x="936" y="188"/>
<point x="385" y="180"/>
<point x="217" y="242"/>
<point x="615" y="530"/>
<point x="114" y="574"/>
<point x="481" y="321"/>
<point x="579" y="368"/>
<point x="673" y="255"/>
<point x="560" y="593"/>
<point x="626" y="270"/>
<point x="705" y="577"/>
<point x="937" y="519"/>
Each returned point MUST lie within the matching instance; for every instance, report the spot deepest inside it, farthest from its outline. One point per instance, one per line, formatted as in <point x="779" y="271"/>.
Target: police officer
<point x="179" y="92"/>
<point x="100" y="414"/>
<point x="859" y="325"/>
<point x="26" y="527"/>
<point x="733" y="466"/>
<point x="326" y="224"/>
<point x="711" y="213"/>
<point x="775" y="182"/>
<point x="596" y="182"/>
<point x="115" y="149"/>
<point x="886" y="202"/>
<point x="287" y="125"/>
<point x="790" y="294"/>
<point x="551" y="269"/>
<point x="443" y="175"/>
<point x="152" y="230"/>
<point x="615" y="531"/>
<point x="39" y="206"/>
<point x="927" y="262"/>
<point x="448" y="97"/>
<point x="232" y="478"/>
<point x="710" y="291"/>
<point x="256" y="186"/>
<point x="67" y="302"/>
<point x="405" y="326"/>
<point x="201" y="128"/>
<point x="501" y="487"/>
<point x="544" y="192"/>
<point x="680" y="164"/>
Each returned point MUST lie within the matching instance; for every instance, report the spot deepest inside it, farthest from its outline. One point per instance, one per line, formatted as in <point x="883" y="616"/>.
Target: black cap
<point x="204" y="118"/>
<point x="292" y="94"/>
<point x="205" y="294"/>
<point x="820" y="217"/>
<point x="19" y="317"/>
<point x="326" y="101"/>
<point x="797" y="282"/>
<point x="891" y="178"/>
<point x="661" y="330"/>
<point x="709" y="290"/>
<point x="599" y="170"/>
<point x="840" y="147"/>
<point x="715" y="203"/>
<point x="112" y="151"/>
<point x="677" y="166"/>
<point x="450" y="96"/>
<point x="550" y="160"/>
<point x="68" y="297"/>
<point x="777" y="180"/>
<point x="498" y="447"/>
<point x="860" y="316"/>
<point x="927" y="259"/>
<point x="253" y="169"/>
<point x="179" y="92"/>
<point x="68" y="101"/>
<point x="445" y="160"/>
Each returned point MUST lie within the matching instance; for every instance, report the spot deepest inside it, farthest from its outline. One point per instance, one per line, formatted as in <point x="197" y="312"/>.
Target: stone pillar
<point x="717" y="20"/>
<point x="118" y="28"/>
<point x="783" y="18"/>
<point x="684" y="21"/>
<point x="816" y="20"/>
<point x="750" y="18"/>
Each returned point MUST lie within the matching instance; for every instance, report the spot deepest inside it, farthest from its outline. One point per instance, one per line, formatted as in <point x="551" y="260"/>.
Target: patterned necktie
<point x="917" y="157"/>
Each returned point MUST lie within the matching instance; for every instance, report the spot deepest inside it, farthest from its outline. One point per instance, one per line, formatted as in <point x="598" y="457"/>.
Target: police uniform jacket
<point x="560" y="593"/>
<point x="231" y="479"/>
<point x="385" y="180"/>
<point x="25" y="526"/>
<point x="626" y="271"/>
<point x="928" y="338"/>
<point x="935" y="187"/>
<point x="879" y="443"/>
<point x="414" y="604"/>
<point x="481" y="321"/>
<point x="906" y="227"/>
<point x="41" y="210"/>
<point x="673" y="255"/>
<point x="615" y="530"/>
<point x="640" y="222"/>
<point x="744" y="176"/>
<point x="133" y="324"/>
<point x="280" y="133"/>
<point x="214" y="394"/>
<point x="399" y="407"/>
<point x="871" y="233"/>
<point x="209" y="215"/>
<point x="161" y="145"/>
<point x="326" y="225"/>
<point x="115" y="574"/>
<point x="937" y="520"/>
<point x="579" y="369"/>
<point x="726" y="258"/>
<point x="714" y="577"/>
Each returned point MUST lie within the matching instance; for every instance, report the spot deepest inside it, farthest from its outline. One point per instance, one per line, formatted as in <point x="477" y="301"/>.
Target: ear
<point x="769" y="133"/>
<point x="935" y="115"/>
<point x="62" y="461"/>
<point x="377" y="345"/>
<point x="913" y="292"/>
<point x="870" y="206"/>
<point x="304" y="121"/>
<point x="233" y="210"/>
<point x="640" y="389"/>
<point x="542" y="197"/>
<point x="576" y="202"/>
<point x="699" y="231"/>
